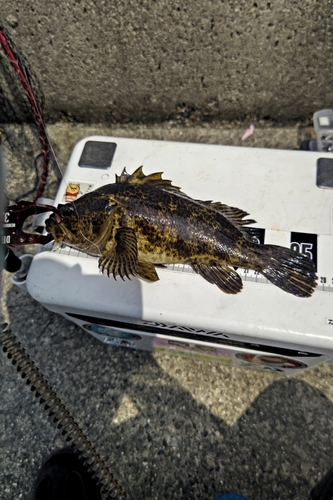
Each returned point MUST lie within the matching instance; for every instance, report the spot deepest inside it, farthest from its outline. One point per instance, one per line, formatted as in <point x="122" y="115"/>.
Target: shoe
<point x="64" y="477"/>
<point x="323" y="490"/>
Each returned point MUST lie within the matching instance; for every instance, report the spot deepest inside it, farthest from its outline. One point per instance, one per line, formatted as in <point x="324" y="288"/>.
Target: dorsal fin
<point x="138" y="177"/>
<point x="236" y="216"/>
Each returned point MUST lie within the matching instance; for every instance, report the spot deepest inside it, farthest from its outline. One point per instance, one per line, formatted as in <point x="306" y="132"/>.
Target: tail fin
<point x="291" y="271"/>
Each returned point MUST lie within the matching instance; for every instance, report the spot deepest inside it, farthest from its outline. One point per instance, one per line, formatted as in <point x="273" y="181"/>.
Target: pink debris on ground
<point x="248" y="132"/>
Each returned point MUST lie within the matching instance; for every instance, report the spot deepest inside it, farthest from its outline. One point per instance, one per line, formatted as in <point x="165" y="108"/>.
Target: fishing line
<point x="83" y="236"/>
<point x="19" y="198"/>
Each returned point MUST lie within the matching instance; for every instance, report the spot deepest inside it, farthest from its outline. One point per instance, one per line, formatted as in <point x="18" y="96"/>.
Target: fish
<point x="141" y="222"/>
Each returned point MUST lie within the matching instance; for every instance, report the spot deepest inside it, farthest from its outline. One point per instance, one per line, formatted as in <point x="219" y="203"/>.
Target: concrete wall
<point x="152" y="60"/>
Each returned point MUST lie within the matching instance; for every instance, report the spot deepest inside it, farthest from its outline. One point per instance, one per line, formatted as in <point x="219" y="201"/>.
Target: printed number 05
<point x="302" y="248"/>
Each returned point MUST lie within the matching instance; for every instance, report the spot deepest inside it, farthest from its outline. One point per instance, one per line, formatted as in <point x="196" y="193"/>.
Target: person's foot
<point x="64" y="477"/>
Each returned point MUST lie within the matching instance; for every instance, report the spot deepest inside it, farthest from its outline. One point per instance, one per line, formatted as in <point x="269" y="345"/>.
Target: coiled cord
<point x="60" y="416"/>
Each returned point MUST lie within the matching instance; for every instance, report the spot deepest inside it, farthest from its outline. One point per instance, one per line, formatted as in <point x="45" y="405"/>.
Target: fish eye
<point x="67" y="210"/>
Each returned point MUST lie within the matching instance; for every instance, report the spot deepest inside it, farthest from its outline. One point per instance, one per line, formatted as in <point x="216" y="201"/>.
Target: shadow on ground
<point x="159" y="439"/>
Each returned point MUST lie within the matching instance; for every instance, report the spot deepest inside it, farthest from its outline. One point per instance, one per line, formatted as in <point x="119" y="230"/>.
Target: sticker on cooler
<point x="271" y="362"/>
<point x="305" y="243"/>
<point x="176" y="347"/>
<point x="75" y="189"/>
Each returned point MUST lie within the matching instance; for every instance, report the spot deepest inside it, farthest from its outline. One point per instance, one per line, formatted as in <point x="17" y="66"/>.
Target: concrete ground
<point x="168" y="427"/>
<point x="150" y="61"/>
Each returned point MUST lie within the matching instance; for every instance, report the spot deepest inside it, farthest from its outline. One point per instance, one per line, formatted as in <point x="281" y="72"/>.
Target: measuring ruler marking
<point x="325" y="284"/>
<point x="250" y="276"/>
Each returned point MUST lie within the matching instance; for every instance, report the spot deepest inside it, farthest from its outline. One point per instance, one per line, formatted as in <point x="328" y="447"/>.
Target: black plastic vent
<point x="324" y="178"/>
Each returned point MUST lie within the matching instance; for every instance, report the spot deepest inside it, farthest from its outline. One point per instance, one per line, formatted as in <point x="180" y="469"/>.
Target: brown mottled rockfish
<point x="141" y="221"/>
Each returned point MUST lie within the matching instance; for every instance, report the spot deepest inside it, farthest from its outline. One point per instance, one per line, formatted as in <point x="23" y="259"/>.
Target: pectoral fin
<point x="223" y="276"/>
<point x="121" y="254"/>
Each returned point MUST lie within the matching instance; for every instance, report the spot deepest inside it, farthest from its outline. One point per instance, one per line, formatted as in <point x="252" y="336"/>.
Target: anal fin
<point x="224" y="277"/>
<point x="146" y="270"/>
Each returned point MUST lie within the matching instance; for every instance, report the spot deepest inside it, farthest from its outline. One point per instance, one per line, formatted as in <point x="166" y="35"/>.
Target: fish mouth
<point x="59" y="231"/>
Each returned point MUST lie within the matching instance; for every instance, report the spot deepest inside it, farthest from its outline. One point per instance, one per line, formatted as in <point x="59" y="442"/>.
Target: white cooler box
<point x="288" y="193"/>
